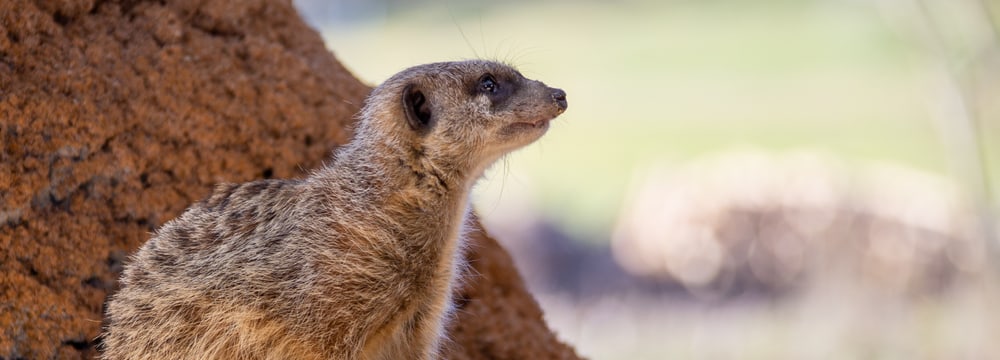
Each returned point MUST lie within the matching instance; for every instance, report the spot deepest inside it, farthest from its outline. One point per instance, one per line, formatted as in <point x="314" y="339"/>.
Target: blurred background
<point x="772" y="179"/>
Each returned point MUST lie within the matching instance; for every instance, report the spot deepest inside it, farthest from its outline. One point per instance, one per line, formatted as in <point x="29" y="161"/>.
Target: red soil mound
<point x="115" y="115"/>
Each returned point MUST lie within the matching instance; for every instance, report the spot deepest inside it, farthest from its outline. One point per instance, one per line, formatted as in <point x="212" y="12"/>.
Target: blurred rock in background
<point x="752" y="222"/>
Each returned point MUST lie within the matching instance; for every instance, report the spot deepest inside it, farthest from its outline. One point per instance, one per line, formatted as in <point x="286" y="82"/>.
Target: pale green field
<point x="652" y="82"/>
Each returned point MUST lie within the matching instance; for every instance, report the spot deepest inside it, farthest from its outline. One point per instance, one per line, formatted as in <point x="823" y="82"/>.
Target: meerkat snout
<point x="560" y="98"/>
<point x="356" y="261"/>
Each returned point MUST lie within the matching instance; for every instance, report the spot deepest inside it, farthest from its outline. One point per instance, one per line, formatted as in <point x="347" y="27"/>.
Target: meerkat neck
<point x="392" y="175"/>
<point x="409" y="195"/>
<point x="401" y="165"/>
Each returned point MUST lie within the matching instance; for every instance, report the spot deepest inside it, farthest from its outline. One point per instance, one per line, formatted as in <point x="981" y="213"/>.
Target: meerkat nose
<point x="559" y="97"/>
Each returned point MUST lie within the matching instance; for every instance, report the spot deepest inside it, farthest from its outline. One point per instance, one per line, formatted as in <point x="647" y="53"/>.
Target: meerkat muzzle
<point x="559" y="97"/>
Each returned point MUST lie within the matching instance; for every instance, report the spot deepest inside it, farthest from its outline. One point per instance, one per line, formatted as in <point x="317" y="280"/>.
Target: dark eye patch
<point x="497" y="87"/>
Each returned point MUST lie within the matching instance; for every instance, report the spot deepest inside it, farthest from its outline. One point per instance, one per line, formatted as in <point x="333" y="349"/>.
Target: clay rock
<point x="116" y="115"/>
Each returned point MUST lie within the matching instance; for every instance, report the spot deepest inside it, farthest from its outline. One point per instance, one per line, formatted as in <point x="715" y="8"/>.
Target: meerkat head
<point x="473" y="110"/>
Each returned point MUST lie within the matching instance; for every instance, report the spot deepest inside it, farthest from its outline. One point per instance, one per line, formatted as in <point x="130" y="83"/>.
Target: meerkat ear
<point x="416" y="107"/>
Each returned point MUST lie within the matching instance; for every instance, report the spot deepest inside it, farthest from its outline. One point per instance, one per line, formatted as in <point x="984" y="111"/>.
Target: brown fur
<point x="356" y="261"/>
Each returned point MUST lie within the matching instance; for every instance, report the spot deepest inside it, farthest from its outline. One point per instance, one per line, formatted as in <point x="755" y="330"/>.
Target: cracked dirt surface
<point x="115" y="115"/>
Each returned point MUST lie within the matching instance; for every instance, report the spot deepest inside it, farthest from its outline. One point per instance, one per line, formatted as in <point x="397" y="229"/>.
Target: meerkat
<point x="356" y="261"/>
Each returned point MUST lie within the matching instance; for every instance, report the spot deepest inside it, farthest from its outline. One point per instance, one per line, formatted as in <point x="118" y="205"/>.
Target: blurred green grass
<point x="652" y="82"/>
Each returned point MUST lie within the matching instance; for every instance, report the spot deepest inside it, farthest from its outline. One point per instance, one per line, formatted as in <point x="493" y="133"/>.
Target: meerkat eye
<point x="487" y="84"/>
